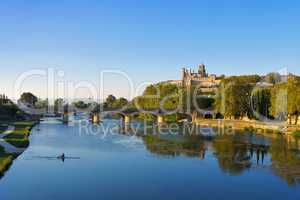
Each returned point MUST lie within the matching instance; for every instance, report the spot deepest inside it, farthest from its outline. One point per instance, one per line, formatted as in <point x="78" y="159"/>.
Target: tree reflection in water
<point x="235" y="153"/>
<point x="191" y="146"/>
<point x="285" y="156"/>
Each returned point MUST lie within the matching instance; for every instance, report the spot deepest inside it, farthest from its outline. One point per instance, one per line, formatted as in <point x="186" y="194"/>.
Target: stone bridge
<point x="128" y="114"/>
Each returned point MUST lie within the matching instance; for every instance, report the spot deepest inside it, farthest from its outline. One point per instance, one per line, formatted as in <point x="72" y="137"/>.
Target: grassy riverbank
<point x="5" y="162"/>
<point x="253" y="126"/>
<point x="20" y="136"/>
<point x="296" y="134"/>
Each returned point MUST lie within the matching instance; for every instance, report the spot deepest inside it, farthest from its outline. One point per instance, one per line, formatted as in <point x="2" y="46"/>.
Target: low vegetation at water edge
<point x="296" y="134"/>
<point x="19" y="137"/>
<point x="5" y="161"/>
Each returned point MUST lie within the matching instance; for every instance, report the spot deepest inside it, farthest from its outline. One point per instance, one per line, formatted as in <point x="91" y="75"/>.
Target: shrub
<point x="19" y="137"/>
<point x="296" y="134"/>
<point x="5" y="162"/>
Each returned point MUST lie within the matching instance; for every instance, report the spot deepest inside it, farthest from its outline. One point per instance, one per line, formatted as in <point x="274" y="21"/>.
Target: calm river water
<point x="118" y="166"/>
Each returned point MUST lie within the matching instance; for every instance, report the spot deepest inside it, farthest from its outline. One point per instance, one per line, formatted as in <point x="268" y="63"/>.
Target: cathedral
<point x="206" y="82"/>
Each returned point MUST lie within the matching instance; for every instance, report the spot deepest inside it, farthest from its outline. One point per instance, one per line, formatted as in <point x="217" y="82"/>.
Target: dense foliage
<point x="115" y="103"/>
<point x="273" y="96"/>
<point x="81" y="104"/>
<point x="166" y="96"/>
<point x="28" y="98"/>
<point x="58" y="105"/>
<point x="285" y="100"/>
<point x="243" y="96"/>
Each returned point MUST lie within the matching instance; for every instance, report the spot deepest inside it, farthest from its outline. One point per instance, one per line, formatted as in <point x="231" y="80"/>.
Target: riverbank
<point x="19" y="137"/>
<point x="189" y="157"/>
<point x="5" y="161"/>
<point x="253" y="125"/>
<point x="14" y="140"/>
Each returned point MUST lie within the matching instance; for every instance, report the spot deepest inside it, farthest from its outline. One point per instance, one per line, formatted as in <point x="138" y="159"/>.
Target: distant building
<point x="205" y="82"/>
<point x="201" y="78"/>
<point x="264" y="84"/>
<point x="174" y="82"/>
<point x="4" y="100"/>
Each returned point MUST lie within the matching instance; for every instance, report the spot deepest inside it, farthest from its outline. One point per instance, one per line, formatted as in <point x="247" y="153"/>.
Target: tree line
<point x="238" y="97"/>
<point x="250" y="97"/>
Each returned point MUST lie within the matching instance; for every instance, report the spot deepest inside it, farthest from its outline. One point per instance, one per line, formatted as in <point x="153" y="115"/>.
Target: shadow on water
<point x="235" y="153"/>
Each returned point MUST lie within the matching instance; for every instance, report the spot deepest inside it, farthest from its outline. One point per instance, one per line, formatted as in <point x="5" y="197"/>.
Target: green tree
<point x="155" y="96"/>
<point x="41" y="103"/>
<point x="273" y="78"/>
<point x="81" y="104"/>
<point x="261" y="101"/>
<point x="58" y="105"/>
<point x="110" y="100"/>
<point x="233" y="99"/>
<point x="120" y="103"/>
<point x="285" y="100"/>
<point x="150" y="90"/>
<point x="28" y="98"/>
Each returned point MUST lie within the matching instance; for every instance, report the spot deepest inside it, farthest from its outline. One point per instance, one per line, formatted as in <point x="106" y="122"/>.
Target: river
<point x="117" y="166"/>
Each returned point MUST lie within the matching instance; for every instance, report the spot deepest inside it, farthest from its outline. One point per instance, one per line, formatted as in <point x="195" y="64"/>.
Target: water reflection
<point x="286" y="160"/>
<point x="235" y="153"/>
<point x="191" y="146"/>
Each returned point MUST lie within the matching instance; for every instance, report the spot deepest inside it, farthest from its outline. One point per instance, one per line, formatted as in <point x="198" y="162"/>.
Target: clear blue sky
<point x="150" y="40"/>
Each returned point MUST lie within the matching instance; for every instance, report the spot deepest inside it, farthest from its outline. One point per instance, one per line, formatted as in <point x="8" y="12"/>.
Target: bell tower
<point x="202" y="71"/>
